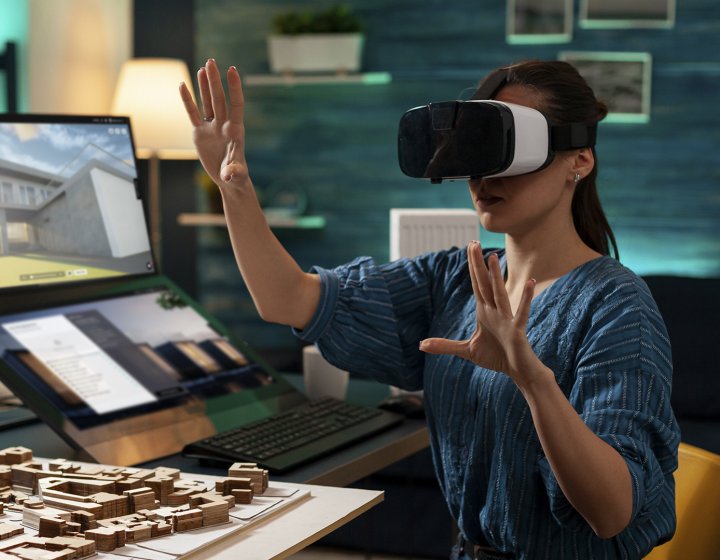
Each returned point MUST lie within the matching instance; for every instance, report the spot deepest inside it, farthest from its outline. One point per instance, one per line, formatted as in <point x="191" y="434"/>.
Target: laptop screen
<point x="103" y="359"/>
<point x="139" y="364"/>
<point x="70" y="210"/>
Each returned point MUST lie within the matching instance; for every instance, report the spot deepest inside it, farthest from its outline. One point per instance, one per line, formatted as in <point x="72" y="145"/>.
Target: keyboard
<point x="288" y="439"/>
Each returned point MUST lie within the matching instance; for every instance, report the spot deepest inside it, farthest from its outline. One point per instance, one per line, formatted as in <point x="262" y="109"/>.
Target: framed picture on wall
<point x="539" y="21"/>
<point x="620" y="79"/>
<point x="627" y="13"/>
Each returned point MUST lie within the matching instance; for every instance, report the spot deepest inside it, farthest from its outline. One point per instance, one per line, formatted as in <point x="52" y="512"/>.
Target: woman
<point x="545" y="366"/>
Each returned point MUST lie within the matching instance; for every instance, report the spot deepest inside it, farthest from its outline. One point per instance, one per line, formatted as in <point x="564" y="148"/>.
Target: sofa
<point x="691" y="309"/>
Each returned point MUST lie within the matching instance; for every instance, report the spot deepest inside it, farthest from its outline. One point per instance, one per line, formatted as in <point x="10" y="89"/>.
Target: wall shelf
<point x="273" y="220"/>
<point x="367" y="78"/>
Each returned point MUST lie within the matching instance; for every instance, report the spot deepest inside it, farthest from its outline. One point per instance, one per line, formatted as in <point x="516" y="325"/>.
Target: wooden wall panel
<point x="659" y="181"/>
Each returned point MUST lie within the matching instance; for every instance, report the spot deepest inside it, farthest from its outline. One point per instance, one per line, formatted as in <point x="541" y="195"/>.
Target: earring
<point x="577" y="178"/>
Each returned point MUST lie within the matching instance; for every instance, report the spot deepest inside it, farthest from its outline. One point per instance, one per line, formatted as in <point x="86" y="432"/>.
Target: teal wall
<point x="14" y="27"/>
<point x="660" y="182"/>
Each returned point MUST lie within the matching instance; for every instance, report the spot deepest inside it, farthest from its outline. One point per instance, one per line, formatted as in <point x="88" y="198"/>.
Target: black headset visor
<point x="482" y="138"/>
<point x="454" y="139"/>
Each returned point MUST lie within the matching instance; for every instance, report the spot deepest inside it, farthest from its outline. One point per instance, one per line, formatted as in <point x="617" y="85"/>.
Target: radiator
<point x="414" y="231"/>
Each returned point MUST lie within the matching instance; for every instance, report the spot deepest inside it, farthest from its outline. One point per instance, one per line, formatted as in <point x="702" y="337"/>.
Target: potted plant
<point x="330" y="40"/>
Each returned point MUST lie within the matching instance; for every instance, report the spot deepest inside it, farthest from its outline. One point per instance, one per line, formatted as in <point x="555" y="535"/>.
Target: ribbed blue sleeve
<point x="622" y="386"/>
<point x="371" y="317"/>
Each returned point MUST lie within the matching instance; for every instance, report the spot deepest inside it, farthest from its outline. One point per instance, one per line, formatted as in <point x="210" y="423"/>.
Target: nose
<point x="477" y="183"/>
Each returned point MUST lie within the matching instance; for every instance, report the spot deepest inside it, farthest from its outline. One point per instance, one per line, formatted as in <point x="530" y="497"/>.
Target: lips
<point x="486" y="200"/>
<point x="484" y="192"/>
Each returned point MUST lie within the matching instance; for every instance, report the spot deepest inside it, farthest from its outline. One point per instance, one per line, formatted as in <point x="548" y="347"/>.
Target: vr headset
<point x="482" y="138"/>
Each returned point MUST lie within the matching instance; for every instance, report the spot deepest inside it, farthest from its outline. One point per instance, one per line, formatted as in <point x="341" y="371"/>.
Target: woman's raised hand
<point x="499" y="342"/>
<point x="218" y="129"/>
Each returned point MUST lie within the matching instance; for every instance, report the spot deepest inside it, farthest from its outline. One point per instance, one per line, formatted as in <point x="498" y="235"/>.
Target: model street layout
<point x="60" y="510"/>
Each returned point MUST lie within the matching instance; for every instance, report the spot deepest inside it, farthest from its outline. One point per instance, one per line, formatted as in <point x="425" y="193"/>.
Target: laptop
<point x="110" y="353"/>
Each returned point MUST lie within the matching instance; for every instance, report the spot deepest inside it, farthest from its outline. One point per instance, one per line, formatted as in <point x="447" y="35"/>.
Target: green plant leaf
<point x="336" y="19"/>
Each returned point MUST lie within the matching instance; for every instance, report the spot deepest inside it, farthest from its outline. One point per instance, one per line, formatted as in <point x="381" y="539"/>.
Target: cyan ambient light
<point x="14" y="27"/>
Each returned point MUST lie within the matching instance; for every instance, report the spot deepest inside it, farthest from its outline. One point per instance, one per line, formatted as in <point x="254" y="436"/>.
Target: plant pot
<point x="340" y="53"/>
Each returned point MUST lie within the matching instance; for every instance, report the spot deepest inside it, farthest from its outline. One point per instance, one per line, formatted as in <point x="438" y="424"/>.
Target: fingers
<point x="471" y="268"/>
<point x="205" y="98"/>
<point x="212" y="96"/>
<point x="236" y="152"/>
<point x="502" y="301"/>
<point x="190" y="106"/>
<point x="523" y="311"/>
<point x="233" y="170"/>
<point x="237" y="98"/>
<point x="444" y="346"/>
<point x="479" y="272"/>
<point x="217" y="94"/>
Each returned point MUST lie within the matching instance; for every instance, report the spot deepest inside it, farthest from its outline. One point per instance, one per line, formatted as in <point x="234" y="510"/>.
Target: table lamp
<point x="147" y="92"/>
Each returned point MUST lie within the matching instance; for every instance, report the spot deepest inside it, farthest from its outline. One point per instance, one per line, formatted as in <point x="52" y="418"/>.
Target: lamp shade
<point x="147" y="92"/>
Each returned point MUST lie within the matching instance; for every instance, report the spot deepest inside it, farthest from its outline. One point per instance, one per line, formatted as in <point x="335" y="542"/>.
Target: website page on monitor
<point x="113" y="358"/>
<point x="69" y="207"/>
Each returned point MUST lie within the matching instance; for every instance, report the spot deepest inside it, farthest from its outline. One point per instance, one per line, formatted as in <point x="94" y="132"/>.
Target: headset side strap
<point x="573" y="136"/>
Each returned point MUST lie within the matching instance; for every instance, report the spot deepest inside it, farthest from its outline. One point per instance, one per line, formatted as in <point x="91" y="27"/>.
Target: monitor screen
<point x="70" y="210"/>
<point x="122" y="357"/>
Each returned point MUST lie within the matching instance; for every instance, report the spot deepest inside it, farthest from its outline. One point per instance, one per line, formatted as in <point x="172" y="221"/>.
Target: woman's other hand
<point x="218" y="129"/>
<point x="499" y="342"/>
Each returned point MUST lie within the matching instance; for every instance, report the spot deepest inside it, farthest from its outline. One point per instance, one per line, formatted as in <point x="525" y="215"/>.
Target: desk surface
<point x="339" y="469"/>
<point x="302" y="524"/>
<point x="342" y="468"/>
<point x="310" y="513"/>
<point x="298" y="527"/>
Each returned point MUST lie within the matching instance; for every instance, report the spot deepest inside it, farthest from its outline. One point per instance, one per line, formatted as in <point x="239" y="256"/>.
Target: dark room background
<point x="335" y="143"/>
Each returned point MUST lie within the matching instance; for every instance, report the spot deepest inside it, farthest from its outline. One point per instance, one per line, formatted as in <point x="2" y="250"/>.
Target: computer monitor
<point x="70" y="207"/>
<point x="110" y="353"/>
<point x="134" y="375"/>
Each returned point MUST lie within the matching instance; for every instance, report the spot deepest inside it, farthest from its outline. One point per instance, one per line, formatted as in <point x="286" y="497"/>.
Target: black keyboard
<point x="288" y="439"/>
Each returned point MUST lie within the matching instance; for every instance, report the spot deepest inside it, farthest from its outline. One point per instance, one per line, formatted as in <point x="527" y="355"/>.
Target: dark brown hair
<point x="565" y="97"/>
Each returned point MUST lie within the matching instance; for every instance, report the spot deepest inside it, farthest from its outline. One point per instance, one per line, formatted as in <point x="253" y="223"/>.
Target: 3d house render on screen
<point x="35" y="212"/>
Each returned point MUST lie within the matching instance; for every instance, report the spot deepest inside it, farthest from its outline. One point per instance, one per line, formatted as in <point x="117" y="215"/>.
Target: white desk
<point x="297" y="527"/>
<point x="306" y="522"/>
<point x="310" y="513"/>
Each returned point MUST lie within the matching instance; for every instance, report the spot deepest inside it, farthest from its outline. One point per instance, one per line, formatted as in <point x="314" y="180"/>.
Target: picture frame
<point x="620" y="79"/>
<point x="539" y="21"/>
<point x="627" y="14"/>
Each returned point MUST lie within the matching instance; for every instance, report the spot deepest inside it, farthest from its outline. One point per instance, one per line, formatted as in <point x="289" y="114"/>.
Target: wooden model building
<point x="80" y="509"/>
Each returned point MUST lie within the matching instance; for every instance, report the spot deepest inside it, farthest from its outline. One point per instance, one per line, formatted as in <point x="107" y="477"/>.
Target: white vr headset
<point x="482" y="138"/>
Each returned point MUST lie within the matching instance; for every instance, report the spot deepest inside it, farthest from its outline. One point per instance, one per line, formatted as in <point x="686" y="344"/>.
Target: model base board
<point x="53" y="509"/>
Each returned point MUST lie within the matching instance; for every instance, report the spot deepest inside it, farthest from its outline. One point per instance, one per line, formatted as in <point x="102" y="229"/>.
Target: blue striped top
<point x="597" y="328"/>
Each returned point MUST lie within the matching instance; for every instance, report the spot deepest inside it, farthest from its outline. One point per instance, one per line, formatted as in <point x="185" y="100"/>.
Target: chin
<point x="490" y="224"/>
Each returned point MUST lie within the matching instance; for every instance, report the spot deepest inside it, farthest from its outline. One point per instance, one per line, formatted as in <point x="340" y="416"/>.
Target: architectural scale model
<point x="60" y="510"/>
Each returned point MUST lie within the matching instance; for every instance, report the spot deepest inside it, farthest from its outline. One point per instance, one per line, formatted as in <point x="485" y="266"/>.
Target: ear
<point x="583" y="162"/>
